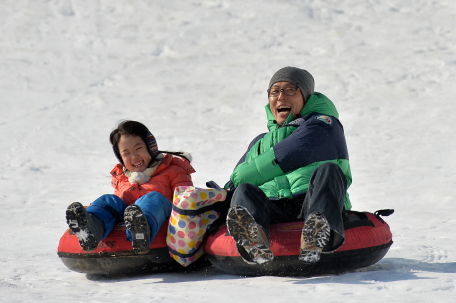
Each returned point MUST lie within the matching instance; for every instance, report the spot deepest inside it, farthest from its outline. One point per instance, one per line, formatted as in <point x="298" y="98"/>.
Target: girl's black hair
<point x="134" y="128"/>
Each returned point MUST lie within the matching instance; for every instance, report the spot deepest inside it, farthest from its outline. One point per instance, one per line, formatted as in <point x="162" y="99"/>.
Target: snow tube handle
<point x="212" y="184"/>
<point x="384" y="212"/>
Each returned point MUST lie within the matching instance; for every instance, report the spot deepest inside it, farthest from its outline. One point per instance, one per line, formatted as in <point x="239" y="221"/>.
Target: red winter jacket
<point x="173" y="171"/>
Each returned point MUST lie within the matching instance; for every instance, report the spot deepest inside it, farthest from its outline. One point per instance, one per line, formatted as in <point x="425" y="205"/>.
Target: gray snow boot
<point x="88" y="228"/>
<point x="315" y="236"/>
<point x="251" y="240"/>
<point x="136" y="222"/>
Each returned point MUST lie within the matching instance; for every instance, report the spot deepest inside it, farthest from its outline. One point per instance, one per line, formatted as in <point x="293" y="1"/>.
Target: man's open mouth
<point x="283" y="108"/>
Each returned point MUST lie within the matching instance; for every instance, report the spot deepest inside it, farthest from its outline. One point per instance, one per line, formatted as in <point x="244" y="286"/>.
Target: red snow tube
<point x="114" y="254"/>
<point x="367" y="240"/>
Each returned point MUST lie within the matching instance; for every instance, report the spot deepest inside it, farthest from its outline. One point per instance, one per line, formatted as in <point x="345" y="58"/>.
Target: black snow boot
<point x="315" y="236"/>
<point x="88" y="228"/>
<point x="251" y="240"/>
<point x="136" y="222"/>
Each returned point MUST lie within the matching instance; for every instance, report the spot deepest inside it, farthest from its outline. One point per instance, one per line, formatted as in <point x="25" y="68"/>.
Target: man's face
<point x="283" y="105"/>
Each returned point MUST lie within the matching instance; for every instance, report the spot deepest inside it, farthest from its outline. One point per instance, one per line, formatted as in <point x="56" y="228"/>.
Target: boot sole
<point x="244" y="231"/>
<point x="76" y="217"/>
<point x="136" y="222"/>
<point x="315" y="236"/>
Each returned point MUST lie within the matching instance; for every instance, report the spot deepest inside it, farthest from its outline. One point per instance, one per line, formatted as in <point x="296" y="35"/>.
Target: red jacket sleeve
<point x="181" y="174"/>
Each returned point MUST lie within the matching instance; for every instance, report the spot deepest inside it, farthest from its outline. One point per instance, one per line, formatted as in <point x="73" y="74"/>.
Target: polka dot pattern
<point x="186" y="232"/>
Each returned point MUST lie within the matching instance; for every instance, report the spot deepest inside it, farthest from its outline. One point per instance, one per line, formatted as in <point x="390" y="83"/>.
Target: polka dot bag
<point x="194" y="210"/>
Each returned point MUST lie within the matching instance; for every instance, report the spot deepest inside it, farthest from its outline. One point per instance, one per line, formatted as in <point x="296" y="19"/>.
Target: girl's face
<point x="134" y="153"/>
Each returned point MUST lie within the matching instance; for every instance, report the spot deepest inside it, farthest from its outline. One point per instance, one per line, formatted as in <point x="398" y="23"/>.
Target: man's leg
<point x="322" y="212"/>
<point x="248" y="222"/>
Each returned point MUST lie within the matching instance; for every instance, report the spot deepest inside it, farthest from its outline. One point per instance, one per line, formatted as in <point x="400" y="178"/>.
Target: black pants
<point x="326" y="195"/>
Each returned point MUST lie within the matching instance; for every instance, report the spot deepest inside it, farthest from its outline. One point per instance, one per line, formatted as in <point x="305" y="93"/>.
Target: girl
<point x="144" y="183"/>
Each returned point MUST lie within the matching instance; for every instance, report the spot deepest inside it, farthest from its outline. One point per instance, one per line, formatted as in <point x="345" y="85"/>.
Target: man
<point x="298" y="170"/>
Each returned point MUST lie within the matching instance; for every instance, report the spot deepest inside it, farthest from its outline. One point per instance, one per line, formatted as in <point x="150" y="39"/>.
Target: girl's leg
<point x="93" y="224"/>
<point x="110" y="209"/>
<point x="156" y="208"/>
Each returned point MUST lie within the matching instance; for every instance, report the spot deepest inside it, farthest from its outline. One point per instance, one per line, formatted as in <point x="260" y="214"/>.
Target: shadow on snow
<point x="387" y="270"/>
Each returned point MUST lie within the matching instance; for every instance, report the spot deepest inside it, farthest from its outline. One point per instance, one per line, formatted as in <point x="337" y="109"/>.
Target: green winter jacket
<point x="282" y="161"/>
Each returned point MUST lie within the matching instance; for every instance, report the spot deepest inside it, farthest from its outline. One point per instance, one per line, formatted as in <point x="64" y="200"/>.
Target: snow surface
<point x="196" y="73"/>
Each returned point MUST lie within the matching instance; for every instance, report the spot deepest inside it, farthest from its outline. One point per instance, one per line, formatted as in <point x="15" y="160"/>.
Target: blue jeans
<point x="110" y="209"/>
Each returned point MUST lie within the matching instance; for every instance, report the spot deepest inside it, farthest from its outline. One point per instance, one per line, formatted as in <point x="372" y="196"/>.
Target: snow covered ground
<point x="196" y="72"/>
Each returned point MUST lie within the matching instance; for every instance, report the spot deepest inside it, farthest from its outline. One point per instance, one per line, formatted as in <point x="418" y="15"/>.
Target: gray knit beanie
<point x="299" y="77"/>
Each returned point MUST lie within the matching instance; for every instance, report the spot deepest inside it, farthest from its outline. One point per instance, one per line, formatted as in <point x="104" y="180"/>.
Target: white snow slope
<point x="196" y="73"/>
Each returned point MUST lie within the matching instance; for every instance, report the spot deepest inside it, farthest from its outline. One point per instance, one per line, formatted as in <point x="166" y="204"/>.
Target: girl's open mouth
<point x="138" y="164"/>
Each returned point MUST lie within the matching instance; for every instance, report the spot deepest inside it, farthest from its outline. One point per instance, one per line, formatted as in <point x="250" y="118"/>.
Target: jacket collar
<point x="316" y="103"/>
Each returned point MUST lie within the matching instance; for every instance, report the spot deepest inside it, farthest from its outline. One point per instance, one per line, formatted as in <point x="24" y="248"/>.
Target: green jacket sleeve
<point x="257" y="171"/>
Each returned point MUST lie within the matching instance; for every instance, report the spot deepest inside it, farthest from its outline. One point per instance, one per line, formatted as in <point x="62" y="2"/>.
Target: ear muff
<point x="118" y="156"/>
<point x="151" y="144"/>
